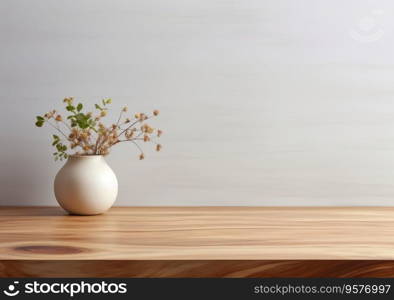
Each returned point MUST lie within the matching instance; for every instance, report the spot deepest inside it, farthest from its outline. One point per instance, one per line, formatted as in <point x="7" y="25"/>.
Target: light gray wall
<point x="276" y="102"/>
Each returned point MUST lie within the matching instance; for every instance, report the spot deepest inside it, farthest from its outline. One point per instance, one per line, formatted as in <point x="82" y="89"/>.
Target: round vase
<point x="86" y="185"/>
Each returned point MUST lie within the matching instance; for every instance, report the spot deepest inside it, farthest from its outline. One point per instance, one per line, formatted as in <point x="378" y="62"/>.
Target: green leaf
<point x="39" y="123"/>
<point x="64" y="148"/>
<point x="56" y="139"/>
<point x="91" y="122"/>
<point x="82" y="120"/>
<point x="98" y="106"/>
<point x="79" y="107"/>
<point x="109" y="101"/>
<point x="39" y="118"/>
<point x="70" y="108"/>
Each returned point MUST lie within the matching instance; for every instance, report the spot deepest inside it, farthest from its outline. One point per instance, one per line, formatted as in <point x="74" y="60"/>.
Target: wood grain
<point x="197" y="268"/>
<point x="198" y="242"/>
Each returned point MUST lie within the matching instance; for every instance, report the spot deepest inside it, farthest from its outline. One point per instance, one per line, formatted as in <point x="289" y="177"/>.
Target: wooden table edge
<point x="197" y="268"/>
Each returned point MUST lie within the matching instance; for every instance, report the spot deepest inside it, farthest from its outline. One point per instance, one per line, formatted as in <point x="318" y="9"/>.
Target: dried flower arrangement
<point x="87" y="135"/>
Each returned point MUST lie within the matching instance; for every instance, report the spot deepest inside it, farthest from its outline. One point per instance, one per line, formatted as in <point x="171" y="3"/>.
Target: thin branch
<point x="97" y="142"/>
<point x="132" y="124"/>
<point x="127" y="128"/>
<point x="103" y="142"/>
<point x="68" y="127"/>
<point x="134" y="139"/>
<point x="127" y="140"/>
<point x="58" y="129"/>
<point x="120" y="116"/>
<point x="137" y="146"/>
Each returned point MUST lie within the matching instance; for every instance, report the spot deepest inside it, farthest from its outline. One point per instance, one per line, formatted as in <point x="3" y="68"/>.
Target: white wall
<point x="276" y="102"/>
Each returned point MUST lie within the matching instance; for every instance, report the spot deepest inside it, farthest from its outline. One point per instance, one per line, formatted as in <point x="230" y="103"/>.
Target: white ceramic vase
<point x="86" y="185"/>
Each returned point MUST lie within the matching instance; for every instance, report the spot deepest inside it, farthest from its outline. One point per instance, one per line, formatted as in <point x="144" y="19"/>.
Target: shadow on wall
<point x="23" y="180"/>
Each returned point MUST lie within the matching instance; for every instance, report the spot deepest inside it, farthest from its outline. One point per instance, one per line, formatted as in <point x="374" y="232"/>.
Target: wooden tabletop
<point x="198" y="234"/>
<point x="135" y="233"/>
